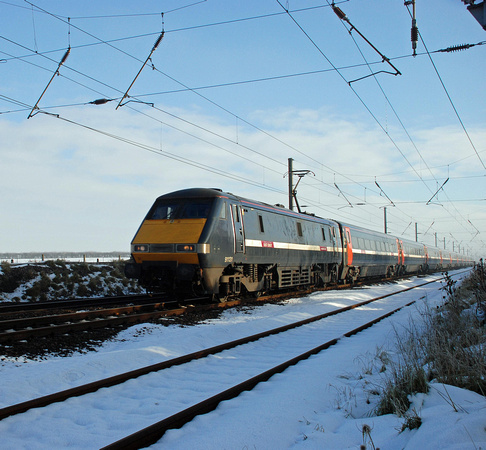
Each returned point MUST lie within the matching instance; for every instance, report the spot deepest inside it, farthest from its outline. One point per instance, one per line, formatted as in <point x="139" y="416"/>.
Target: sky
<point x="232" y="91"/>
<point x="321" y="402"/>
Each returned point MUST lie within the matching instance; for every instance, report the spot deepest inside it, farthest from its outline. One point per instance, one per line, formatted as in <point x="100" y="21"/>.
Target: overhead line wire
<point x="165" y="74"/>
<point x="344" y="79"/>
<point x="190" y="89"/>
<point x="449" y="98"/>
<point x="169" y="155"/>
<point x="160" y="152"/>
<point x="212" y="102"/>
<point x="343" y="18"/>
<point x="354" y="91"/>
<point x="108" y="41"/>
<point x="395" y="113"/>
<point x="163" y="111"/>
<point x="219" y="105"/>
<point x="456" y="113"/>
<point x="350" y="86"/>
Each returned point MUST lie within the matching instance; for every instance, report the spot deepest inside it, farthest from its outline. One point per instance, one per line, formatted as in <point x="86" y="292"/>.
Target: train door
<point x="238" y="228"/>
<point x="332" y="235"/>
<point x="401" y="253"/>
<point x="349" y="245"/>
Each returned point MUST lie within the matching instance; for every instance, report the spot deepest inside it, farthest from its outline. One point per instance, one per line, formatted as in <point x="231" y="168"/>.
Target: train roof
<point x="215" y="193"/>
<point x="195" y="193"/>
<point x="219" y="193"/>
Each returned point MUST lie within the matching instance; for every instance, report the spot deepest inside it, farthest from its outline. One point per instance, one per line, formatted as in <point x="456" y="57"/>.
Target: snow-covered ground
<point x="323" y="402"/>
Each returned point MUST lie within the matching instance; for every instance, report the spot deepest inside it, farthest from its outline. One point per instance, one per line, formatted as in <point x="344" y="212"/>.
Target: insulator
<point x="457" y="48"/>
<point x="100" y="101"/>
<point x="414" y="34"/>
<point x="157" y="42"/>
<point x="339" y="12"/>
<point x="63" y="60"/>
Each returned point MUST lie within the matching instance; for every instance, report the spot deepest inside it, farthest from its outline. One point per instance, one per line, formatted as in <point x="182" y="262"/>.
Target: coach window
<point x="299" y="228"/>
<point x="323" y="234"/>
<point x="260" y="221"/>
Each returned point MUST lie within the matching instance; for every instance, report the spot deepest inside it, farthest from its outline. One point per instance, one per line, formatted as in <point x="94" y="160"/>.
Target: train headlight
<point x="141" y="248"/>
<point x="185" y="248"/>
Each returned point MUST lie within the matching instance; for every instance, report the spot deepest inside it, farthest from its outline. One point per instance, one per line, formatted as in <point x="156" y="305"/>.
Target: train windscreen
<point x="167" y="209"/>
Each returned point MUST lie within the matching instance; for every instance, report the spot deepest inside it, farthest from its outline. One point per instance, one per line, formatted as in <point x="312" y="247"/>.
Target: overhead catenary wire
<point x="450" y="99"/>
<point x="190" y="89"/>
<point x="342" y="16"/>
<point x="455" y="112"/>
<point x="166" y="154"/>
<point x="350" y="85"/>
<point x="105" y="100"/>
<point x="352" y="89"/>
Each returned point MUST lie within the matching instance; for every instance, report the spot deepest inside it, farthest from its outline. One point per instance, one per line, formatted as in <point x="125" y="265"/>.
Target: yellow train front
<point x="172" y="244"/>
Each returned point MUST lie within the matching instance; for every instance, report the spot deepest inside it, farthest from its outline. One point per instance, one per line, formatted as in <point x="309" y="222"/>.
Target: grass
<point x="448" y="347"/>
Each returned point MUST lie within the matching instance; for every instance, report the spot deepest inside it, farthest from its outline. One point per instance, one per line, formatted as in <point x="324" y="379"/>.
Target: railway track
<point x="32" y="325"/>
<point x="305" y="332"/>
<point x="8" y="309"/>
<point x="28" y="321"/>
<point x="142" y="308"/>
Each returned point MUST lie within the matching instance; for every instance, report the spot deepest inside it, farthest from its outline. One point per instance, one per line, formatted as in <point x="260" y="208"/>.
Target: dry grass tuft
<point x="450" y="347"/>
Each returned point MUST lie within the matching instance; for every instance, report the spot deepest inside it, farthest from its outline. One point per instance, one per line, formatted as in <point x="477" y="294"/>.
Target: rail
<point x="121" y="378"/>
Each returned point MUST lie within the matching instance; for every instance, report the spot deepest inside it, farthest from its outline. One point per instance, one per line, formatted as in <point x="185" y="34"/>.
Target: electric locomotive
<point x="207" y="242"/>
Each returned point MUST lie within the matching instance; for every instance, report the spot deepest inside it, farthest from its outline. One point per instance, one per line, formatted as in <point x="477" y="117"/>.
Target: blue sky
<point x="237" y="88"/>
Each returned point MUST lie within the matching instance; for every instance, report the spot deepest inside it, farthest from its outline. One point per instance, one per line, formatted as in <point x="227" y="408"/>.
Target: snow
<point x="322" y="402"/>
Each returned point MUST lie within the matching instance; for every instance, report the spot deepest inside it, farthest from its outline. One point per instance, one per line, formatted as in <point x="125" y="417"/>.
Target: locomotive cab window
<point x="222" y="213"/>
<point x="167" y="209"/>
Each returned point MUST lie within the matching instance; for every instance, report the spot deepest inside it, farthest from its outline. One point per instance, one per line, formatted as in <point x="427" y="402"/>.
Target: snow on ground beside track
<point x="322" y="402"/>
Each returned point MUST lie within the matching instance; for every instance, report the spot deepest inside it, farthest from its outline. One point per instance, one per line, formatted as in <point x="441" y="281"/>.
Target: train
<point x="206" y="242"/>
